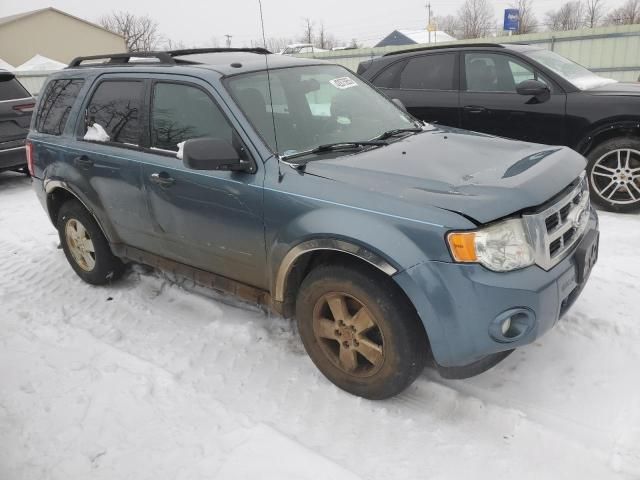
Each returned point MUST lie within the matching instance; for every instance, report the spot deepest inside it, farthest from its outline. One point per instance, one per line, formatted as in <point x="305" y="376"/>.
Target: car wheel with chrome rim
<point x="614" y="174"/>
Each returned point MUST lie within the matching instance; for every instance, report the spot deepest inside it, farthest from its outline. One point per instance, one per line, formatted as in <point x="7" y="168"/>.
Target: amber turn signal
<point x="463" y="246"/>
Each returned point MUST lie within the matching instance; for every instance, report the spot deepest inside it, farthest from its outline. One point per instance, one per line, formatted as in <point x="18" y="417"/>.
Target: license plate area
<point x="586" y="256"/>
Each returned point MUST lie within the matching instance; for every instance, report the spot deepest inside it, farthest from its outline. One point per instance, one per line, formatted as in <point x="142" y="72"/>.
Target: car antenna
<point x="273" y="118"/>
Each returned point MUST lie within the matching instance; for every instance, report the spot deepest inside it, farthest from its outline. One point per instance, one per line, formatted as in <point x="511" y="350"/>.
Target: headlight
<point x="501" y="247"/>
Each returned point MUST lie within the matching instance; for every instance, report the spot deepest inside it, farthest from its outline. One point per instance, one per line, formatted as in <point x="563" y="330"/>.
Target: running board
<point x="200" y="277"/>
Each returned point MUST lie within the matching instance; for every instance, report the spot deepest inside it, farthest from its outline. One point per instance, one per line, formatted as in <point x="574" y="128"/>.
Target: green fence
<point x="612" y="52"/>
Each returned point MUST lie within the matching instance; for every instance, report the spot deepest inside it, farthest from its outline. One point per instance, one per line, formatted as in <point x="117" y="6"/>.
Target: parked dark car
<point x="526" y="93"/>
<point x="16" y="107"/>
<point x="305" y="189"/>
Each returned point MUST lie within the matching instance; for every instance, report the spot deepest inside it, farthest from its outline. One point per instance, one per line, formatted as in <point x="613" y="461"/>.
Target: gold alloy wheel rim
<point x="80" y="245"/>
<point x="348" y="334"/>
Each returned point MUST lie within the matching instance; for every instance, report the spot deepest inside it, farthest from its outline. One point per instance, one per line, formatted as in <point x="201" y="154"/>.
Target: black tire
<point x="398" y="330"/>
<point x="601" y="160"/>
<point x="105" y="267"/>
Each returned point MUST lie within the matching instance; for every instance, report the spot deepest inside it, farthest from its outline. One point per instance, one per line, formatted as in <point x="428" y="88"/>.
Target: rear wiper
<point x="398" y="131"/>
<point x="328" y="147"/>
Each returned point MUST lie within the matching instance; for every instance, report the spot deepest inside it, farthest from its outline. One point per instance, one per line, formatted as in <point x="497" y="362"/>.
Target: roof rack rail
<point x="122" y="58"/>
<point x="194" y="51"/>
<point x="164" y="58"/>
<point x="438" y="47"/>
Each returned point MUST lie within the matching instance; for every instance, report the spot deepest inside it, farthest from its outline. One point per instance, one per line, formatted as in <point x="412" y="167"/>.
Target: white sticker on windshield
<point x="343" y="82"/>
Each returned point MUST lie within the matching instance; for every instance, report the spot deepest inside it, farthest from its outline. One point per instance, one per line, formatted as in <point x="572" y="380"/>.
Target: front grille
<point x="556" y="229"/>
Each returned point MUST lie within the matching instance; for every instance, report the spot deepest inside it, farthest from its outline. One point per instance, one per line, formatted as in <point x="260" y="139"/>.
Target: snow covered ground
<point x="151" y="379"/>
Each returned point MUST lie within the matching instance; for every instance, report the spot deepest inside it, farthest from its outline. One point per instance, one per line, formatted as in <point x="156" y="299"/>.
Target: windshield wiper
<point x="398" y="131"/>
<point x="328" y="147"/>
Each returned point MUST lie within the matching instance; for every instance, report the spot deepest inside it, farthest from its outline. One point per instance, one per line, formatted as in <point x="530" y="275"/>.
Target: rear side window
<point x="390" y="77"/>
<point x="56" y="104"/>
<point x="117" y="106"/>
<point x="11" y="89"/>
<point x="429" y="72"/>
<point x="181" y="112"/>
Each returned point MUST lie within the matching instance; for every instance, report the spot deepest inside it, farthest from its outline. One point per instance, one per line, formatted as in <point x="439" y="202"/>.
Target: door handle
<point x="162" y="178"/>
<point x="83" y="161"/>
<point x="475" y="109"/>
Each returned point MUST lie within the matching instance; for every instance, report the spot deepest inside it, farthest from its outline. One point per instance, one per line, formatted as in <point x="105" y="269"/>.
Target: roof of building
<point x="413" y="37"/>
<point x="20" y="16"/>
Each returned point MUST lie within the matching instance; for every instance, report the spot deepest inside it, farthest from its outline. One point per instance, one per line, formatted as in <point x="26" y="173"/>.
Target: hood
<point x="620" y="89"/>
<point x="473" y="174"/>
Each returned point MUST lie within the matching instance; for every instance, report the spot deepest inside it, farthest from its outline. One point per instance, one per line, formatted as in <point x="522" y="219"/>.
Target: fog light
<point x="506" y="325"/>
<point x="512" y="325"/>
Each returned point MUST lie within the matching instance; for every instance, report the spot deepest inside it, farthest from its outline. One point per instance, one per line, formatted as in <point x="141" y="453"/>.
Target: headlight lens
<point x="501" y="247"/>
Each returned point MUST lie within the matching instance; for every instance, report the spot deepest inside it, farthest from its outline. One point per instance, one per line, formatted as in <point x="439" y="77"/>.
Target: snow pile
<point x="156" y="379"/>
<point x="96" y="133"/>
<point x="180" y="152"/>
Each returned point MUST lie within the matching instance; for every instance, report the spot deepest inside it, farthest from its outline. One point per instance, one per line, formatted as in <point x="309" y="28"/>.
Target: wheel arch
<point x="607" y="131"/>
<point x="58" y="192"/>
<point x="303" y="257"/>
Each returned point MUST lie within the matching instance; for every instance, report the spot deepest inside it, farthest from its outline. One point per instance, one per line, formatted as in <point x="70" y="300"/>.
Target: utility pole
<point x="429" y="20"/>
<point x="228" y="40"/>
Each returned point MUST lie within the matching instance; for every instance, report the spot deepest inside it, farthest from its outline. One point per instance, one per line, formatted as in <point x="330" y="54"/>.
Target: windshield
<point x="570" y="71"/>
<point x="313" y="106"/>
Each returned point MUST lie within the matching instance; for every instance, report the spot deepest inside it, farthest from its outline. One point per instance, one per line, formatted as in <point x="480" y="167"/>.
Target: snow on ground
<point x="152" y="379"/>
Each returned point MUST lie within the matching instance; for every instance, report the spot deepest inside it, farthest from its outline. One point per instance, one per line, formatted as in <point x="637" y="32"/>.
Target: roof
<point x="414" y="37"/>
<point x="422" y="36"/>
<point x="40" y="63"/>
<point x="20" y="16"/>
<point x="520" y="47"/>
<point x="225" y="63"/>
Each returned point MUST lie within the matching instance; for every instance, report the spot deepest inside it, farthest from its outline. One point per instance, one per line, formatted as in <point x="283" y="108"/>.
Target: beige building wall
<point x="55" y="35"/>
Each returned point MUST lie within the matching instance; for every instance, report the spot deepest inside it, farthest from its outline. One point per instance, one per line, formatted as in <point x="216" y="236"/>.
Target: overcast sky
<point x="195" y="22"/>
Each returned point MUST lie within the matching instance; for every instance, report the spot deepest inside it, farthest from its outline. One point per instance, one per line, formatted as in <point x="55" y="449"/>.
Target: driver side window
<point x="181" y="112"/>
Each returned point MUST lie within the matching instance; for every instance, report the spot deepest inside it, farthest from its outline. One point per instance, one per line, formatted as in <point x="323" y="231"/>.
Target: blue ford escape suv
<point x="294" y="184"/>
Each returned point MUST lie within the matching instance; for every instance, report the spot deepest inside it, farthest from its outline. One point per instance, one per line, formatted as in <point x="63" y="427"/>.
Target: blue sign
<point x="511" y="19"/>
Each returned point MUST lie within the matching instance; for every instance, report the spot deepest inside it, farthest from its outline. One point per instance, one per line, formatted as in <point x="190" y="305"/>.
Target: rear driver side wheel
<point x="85" y="246"/>
<point x="614" y="174"/>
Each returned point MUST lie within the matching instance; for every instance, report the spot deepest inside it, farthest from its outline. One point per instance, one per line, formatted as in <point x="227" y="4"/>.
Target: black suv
<point x="526" y="93"/>
<point x="16" y="107"/>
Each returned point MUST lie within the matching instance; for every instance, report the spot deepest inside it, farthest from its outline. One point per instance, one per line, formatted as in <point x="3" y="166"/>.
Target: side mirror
<point x="532" y="88"/>
<point x="209" y="153"/>
<point x="399" y="104"/>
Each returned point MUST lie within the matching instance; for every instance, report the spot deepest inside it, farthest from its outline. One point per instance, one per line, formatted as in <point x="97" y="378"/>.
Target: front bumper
<point x="459" y="304"/>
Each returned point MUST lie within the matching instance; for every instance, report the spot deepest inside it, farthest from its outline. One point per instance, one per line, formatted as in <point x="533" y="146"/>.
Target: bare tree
<point x="527" y="22"/>
<point x="476" y="19"/>
<point x="570" y="16"/>
<point x="169" y="44"/>
<point x="307" y="35"/>
<point x="140" y="32"/>
<point x="326" y="40"/>
<point x="354" y="43"/>
<point x="627" y="14"/>
<point x="449" y="24"/>
<point x="274" y="44"/>
<point x="593" y="13"/>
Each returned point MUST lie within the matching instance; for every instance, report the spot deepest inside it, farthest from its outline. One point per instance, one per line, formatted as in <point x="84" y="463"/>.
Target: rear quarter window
<point x="56" y="103"/>
<point x="11" y="89"/>
<point x="429" y="72"/>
